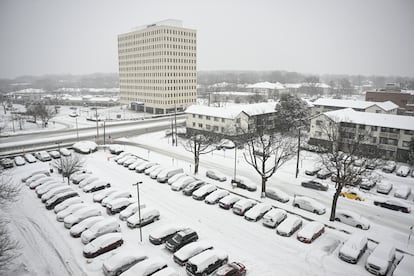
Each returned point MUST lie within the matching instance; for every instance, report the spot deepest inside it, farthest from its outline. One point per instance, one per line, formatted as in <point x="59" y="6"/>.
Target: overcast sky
<point x="319" y="36"/>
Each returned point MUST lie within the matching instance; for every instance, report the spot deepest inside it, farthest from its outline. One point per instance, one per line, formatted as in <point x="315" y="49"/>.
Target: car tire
<point x="338" y="219"/>
<point x="296" y="205"/>
<point x="359" y="226"/>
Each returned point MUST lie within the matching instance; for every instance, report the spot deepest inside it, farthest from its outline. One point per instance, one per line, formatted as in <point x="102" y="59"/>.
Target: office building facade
<point x="157" y="67"/>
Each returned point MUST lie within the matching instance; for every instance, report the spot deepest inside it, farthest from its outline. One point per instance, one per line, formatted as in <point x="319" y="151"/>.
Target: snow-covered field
<point x="48" y="249"/>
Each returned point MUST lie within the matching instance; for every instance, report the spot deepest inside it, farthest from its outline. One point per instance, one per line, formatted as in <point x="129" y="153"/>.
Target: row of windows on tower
<point x="156" y="46"/>
<point x="130" y="43"/>
<point x="157" y="60"/>
<point x="158" y="67"/>
<point x="160" y="95"/>
<point x="176" y="53"/>
<point x="171" y="102"/>
<point x="124" y="85"/>
<point x="157" y="74"/>
<point x="159" y="81"/>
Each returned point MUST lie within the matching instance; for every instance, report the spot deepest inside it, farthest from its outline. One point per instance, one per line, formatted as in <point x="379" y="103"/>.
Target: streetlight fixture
<point x="61" y="164"/>
<point x="139" y="209"/>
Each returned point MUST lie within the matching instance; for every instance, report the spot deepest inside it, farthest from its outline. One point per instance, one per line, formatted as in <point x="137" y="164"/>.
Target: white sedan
<point x="352" y="219"/>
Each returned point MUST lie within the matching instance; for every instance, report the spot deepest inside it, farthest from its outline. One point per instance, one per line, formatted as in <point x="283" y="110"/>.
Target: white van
<point x="353" y="248"/>
<point x="381" y="259"/>
<point x="166" y="174"/>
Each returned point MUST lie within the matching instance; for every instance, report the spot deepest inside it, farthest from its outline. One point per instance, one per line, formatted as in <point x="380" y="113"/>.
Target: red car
<point x="231" y="269"/>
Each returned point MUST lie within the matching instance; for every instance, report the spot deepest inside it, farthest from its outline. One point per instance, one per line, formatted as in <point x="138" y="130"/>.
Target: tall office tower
<point x="157" y="67"/>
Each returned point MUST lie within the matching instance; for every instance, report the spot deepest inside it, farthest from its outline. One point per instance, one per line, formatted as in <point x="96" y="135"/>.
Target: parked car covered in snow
<point x="85" y="147"/>
<point x="168" y="271"/>
<point x="148" y="215"/>
<point x="384" y="188"/>
<point x="19" y="161"/>
<point x="231" y="269"/>
<point x="29" y="158"/>
<point x="28" y="177"/>
<point x="353" y="248"/>
<point x="228" y="202"/>
<point x="122" y="261"/>
<point x="81" y="214"/>
<point x="164" y="233"/>
<point x="146" y="267"/>
<point x="167" y="173"/>
<point x="190" y="250"/>
<point x="102" y="245"/>
<point x="277" y="194"/>
<point x="403" y="171"/>
<point x="45" y="187"/>
<point x="145" y="165"/>
<point x="289" y="226"/>
<point x="176" y="177"/>
<point x="108" y="225"/>
<point x="98" y="197"/>
<point x="76" y="179"/>
<point x="118" y="204"/>
<point x="274" y="217"/>
<point x="116" y="149"/>
<point x="134" y="165"/>
<point x="55" y="200"/>
<point x="380" y="260"/>
<point x="76" y="230"/>
<point x="65" y="152"/>
<point x="151" y="169"/>
<point x="389" y="167"/>
<point x="70" y="210"/>
<point x="87" y="181"/>
<point x="181" y="183"/>
<point x="55" y="191"/>
<point x="243" y="205"/>
<point x="43" y="156"/>
<point x="323" y="174"/>
<point x="156" y="172"/>
<point x="215" y="196"/>
<point x="206" y="262"/>
<point x="310" y="232"/>
<point x="115" y="195"/>
<point x="65" y="204"/>
<point x="402" y="192"/>
<point x="315" y="185"/>
<point x="193" y="186"/>
<point x="393" y="204"/>
<point x="244" y="183"/>
<point x="352" y="219"/>
<point x="216" y="175"/>
<point x="96" y="186"/>
<point x="204" y="191"/>
<point x="257" y="212"/>
<point x="312" y="172"/>
<point x="55" y="154"/>
<point x="309" y="204"/>
<point x="129" y="211"/>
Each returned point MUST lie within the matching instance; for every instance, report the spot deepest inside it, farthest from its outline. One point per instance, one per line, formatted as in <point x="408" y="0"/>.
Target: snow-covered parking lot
<point x="48" y="249"/>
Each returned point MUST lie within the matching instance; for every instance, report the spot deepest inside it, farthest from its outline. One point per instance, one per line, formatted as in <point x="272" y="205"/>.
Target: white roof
<point x="372" y="119"/>
<point x="267" y="85"/>
<point x="387" y="106"/>
<point x="232" y="112"/>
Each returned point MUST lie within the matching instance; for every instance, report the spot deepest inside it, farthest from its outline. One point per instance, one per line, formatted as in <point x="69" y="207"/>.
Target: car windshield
<point x="177" y="238"/>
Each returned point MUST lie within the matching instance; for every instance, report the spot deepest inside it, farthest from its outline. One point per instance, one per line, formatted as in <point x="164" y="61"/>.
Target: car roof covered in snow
<point x="205" y="258"/>
<point x="122" y="258"/>
<point x="310" y="229"/>
<point x="190" y="249"/>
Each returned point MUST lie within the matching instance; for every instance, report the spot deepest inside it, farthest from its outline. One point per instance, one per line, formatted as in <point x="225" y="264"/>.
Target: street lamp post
<point x="77" y="129"/>
<point x="297" y="159"/>
<point x="61" y="165"/>
<point x="97" y="127"/>
<point x="139" y="210"/>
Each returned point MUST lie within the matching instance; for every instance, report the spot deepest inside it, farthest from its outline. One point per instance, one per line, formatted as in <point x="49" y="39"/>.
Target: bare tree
<point x="267" y="153"/>
<point x="42" y="111"/>
<point x="9" y="192"/>
<point x="347" y="157"/>
<point x="199" y="144"/>
<point x="68" y="165"/>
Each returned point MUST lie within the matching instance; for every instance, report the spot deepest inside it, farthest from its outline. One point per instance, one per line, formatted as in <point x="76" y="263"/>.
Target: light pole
<point x="61" y="164"/>
<point x="139" y="210"/>
<point x="97" y="127"/>
<point x="297" y="158"/>
<point x="77" y="129"/>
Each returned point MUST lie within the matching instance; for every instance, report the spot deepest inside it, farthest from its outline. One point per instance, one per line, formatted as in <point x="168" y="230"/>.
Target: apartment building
<point x="403" y="98"/>
<point x="387" y="134"/>
<point x="230" y="121"/>
<point x="322" y="105"/>
<point x="157" y="67"/>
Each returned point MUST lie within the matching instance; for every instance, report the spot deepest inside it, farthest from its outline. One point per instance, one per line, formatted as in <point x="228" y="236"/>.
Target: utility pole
<point x="297" y="159"/>
<point x="139" y="209"/>
<point x="97" y="127"/>
<point x="104" y="131"/>
<point x="175" y="123"/>
<point x="77" y="130"/>
<point x="61" y="164"/>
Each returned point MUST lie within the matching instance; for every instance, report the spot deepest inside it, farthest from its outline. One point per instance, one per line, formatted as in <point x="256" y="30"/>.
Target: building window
<point x="374" y="128"/>
<point x="361" y="126"/>
<point x="374" y="140"/>
<point x="200" y="125"/>
<point x="216" y="119"/>
<point x="318" y="122"/>
<point x="222" y="120"/>
<point x="193" y="124"/>
<point x="200" y="116"/>
<point x="208" y="127"/>
<point x="406" y="144"/>
<point x="222" y="129"/>
<point x="215" y="128"/>
<point x="238" y="121"/>
<point x="193" y="115"/>
<point x="409" y="132"/>
<point x="208" y="117"/>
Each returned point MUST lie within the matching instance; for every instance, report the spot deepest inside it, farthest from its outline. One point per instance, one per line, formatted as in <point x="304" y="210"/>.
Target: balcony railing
<point x="389" y="135"/>
<point x="387" y="147"/>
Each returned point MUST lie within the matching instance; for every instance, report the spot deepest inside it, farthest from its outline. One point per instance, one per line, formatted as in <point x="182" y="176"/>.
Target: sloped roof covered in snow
<point x="372" y="119"/>
<point x="267" y="85"/>
<point x="231" y="112"/>
<point x="387" y="106"/>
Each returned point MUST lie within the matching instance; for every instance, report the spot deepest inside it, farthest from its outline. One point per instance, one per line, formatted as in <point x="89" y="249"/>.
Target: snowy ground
<point x="48" y="248"/>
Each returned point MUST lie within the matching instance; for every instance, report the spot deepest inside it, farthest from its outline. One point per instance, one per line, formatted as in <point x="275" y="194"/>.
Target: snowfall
<point x="47" y="248"/>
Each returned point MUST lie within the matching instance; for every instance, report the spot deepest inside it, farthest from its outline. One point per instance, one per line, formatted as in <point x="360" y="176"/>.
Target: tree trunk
<point x="334" y="202"/>
<point x="263" y="187"/>
<point x="68" y="178"/>
<point x="196" y="163"/>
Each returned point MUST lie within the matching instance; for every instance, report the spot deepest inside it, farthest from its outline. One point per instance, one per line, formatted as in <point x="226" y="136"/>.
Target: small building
<point x="322" y="105"/>
<point x="403" y="98"/>
<point x="230" y="121"/>
<point x="389" y="135"/>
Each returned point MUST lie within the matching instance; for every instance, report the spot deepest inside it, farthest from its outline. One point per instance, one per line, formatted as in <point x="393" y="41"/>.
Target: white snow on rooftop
<point x="388" y="105"/>
<point x="232" y="112"/>
<point x="372" y="119"/>
<point x="267" y="85"/>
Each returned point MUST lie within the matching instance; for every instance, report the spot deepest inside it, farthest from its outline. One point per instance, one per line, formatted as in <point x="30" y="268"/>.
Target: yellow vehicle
<point x="352" y="195"/>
